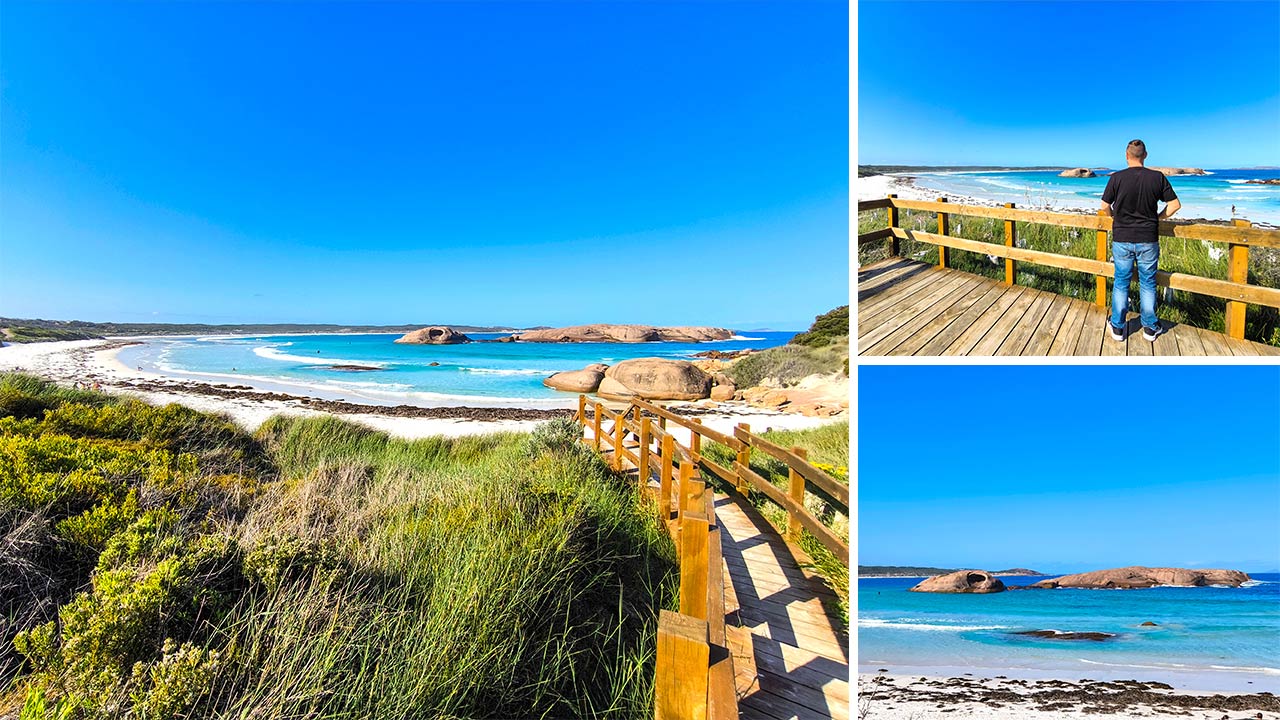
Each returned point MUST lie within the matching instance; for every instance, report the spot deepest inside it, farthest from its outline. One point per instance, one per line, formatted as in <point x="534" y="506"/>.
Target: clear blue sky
<point x="521" y="163"/>
<point x="1069" y="83"/>
<point x="997" y="467"/>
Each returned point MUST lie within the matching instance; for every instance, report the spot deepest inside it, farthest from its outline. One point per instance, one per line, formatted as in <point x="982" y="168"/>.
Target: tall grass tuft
<point x="351" y="575"/>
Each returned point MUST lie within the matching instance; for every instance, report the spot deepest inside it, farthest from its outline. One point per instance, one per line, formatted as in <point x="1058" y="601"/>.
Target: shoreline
<point x="249" y="403"/>
<point x="884" y="695"/>
<point x="906" y="186"/>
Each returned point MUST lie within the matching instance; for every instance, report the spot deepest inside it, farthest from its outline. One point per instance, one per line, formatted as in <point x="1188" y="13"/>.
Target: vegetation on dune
<point x="828" y="328"/>
<point x="821" y="350"/>
<point x="159" y="563"/>
<point x="1193" y="257"/>
<point x="828" y="449"/>
<point x="30" y="334"/>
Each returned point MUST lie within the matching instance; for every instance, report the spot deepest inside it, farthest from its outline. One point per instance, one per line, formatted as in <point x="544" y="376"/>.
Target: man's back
<point x="1134" y="193"/>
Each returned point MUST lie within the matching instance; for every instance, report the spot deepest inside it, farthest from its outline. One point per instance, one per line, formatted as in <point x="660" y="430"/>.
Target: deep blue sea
<point x="474" y="373"/>
<point x="1213" y="638"/>
<point x="1202" y="196"/>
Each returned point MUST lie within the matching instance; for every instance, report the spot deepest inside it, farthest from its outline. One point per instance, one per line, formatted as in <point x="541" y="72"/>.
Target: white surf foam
<point x="499" y="371"/>
<point x="270" y="353"/>
<point x="744" y="337"/>
<point x="1183" y="666"/>
<point x="899" y="625"/>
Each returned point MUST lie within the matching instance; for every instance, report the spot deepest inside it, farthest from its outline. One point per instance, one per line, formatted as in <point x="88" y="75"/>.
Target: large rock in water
<point x="434" y="336"/>
<point x="579" y="381"/>
<point x="961" y="581"/>
<point x="625" y="334"/>
<point x="1077" y="173"/>
<point x="660" y="379"/>
<point x="1179" y="171"/>
<point x="1129" y="578"/>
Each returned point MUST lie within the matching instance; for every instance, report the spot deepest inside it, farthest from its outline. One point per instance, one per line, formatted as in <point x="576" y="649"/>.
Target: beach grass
<point x="828" y="449"/>
<point x="1193" y="257"/>
<point x="178" y="567"/>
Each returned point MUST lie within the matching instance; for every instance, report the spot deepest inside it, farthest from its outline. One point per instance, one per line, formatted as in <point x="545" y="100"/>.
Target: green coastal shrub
<point x="828" y="328"/>
<point x="787" y="364"/>
<point x="348" y="575"/>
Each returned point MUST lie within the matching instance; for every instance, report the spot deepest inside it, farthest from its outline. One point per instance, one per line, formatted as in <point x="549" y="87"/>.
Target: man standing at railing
<point x="1131" y="198"/>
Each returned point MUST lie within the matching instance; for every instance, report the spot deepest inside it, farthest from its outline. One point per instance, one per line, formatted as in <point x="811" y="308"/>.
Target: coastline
<point x="906" y="186"/>
<point x="884" y="695"/>
<point x="249" y="402"/>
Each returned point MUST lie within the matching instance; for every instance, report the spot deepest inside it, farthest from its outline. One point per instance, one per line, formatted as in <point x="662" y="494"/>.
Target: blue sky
<point x="524" y="163"/>
<point x="1063" y="469"/>
<point x="1068" y="83"/>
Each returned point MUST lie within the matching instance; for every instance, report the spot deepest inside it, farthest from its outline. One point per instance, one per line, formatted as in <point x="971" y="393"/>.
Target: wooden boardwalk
<point x="907" y="307"/>
<point x="790" y="656"/>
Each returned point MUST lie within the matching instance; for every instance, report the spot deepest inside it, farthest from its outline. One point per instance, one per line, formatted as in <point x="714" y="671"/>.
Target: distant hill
<point x="913" y="571"/>
<point x="28" y="330"/>
<point x="866" y="170"/>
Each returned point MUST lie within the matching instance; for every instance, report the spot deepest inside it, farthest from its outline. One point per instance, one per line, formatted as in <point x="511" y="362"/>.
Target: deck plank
<point x="915" y="308"/>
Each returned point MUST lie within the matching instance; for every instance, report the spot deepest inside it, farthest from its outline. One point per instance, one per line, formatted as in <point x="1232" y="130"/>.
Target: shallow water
<point x="1228" y="638"/>
<point x="1203" y="196"/>
<point x="473" y="372"/>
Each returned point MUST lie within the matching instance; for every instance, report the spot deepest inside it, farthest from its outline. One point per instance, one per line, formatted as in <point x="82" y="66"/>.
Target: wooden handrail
<point x="1239" y="237"/>
<point x="691" y="681"/>
<point x="1257" y="237"/>
<point x="697" y="428"/>
<point x="1226" y="290"/>
<point x="836" y="489"/>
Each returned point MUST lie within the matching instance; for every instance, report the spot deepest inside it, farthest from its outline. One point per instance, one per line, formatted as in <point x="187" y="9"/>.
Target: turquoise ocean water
<point x="1213" y="638"/>
<point x="508" y="374"/>
<point x="1203" y="196"/>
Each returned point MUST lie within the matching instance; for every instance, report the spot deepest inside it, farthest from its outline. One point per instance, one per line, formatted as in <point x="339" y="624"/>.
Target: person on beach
<point x="1131" y="198"/>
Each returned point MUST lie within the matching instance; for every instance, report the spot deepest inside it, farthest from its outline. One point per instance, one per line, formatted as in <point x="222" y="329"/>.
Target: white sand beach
<point x="887" y="696"/>
<point x="90" y="361"/>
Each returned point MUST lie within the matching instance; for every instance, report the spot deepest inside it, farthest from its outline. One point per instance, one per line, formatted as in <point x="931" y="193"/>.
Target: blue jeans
<point x="1146" y="255"/>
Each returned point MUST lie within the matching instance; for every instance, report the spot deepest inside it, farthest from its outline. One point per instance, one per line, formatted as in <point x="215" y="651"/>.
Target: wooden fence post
<point x="1237" y="271"/>
<point x="619" y="434"/>
<point x="893" y="223"/>
<point x="695" y="442"/>
<point x="643" y="454"/>
<point x="796" y="491"/>
<point x="1010" y="237"/>
<point x="684" y="654"/>
<point x="664" y="482"/>
<point x="744" y="457"/>
<point x="595" y="425"/>
<point x="582" y="410"/>
<point x="1101" y="280"/>
<point x="943" y="228"/>
<point x="682" y="488"/>
<point x="695" y="543"/>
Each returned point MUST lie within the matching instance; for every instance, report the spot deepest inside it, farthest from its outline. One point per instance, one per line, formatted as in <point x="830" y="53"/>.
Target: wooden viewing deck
<point x="756" y="636"/>
<point x="907" y="307"/>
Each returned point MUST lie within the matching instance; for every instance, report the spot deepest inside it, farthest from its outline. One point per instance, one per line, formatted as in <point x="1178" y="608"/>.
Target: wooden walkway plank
<point x="922" y="318"/>
<point x="999" y="331"/>
<point x="922" y="309"/>
<point x="984" y="322"/>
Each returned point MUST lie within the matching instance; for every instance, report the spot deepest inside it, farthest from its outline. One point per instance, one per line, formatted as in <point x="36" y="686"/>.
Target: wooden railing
<point x="694" y="674"/>
<point x="1239" y="238"/>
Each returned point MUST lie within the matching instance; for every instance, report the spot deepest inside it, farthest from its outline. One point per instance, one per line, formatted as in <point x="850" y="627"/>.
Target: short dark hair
<point x="1137" y="149"/>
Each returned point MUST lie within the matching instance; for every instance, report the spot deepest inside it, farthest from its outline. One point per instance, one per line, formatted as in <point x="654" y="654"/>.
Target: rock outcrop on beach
<point x="578" y="381"/>
<point x="625" y="334"/>
<point x="434" y="336"/>
<point x="1135" y="577"/>
<point x="1179" y="171"/>
<point x="660" y="379"/>
<point x="1268" y="181"/>
<point x="1077" y="173"/>
<point x="961" y="581"/>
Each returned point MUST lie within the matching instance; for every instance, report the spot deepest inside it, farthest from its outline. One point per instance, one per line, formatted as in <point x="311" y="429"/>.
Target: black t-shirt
<point x="1133" y="194"/>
